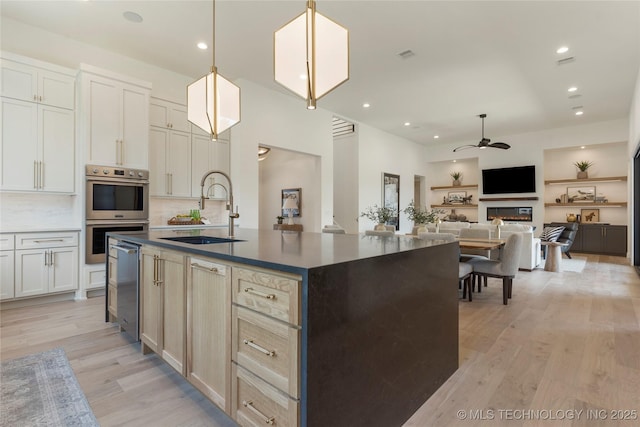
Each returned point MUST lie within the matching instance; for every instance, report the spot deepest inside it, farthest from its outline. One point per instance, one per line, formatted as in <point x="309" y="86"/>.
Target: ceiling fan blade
<point x="464" y="147"/>
<point x="500" y="145"/>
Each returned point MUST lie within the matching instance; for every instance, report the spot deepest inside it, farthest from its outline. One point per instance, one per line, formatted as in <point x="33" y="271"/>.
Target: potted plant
<point x="582" y="168"/>
<point x="279" y="218"/>
<point x="380" y="215"/>
<point x="456" y="178"/>
<point x="421" y="216"/>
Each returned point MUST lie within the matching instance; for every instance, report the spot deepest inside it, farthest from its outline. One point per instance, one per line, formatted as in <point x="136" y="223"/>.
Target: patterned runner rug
<point x="41" y="390"/>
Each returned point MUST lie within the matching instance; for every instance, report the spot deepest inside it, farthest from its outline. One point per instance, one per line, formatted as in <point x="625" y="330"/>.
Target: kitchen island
<point x="303" y="329"/>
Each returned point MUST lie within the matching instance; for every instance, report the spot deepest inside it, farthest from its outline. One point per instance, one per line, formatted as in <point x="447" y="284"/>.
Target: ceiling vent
<point x="406" y="54"/>
<point x="342" y="127"/>
<point x="564" y="61"/>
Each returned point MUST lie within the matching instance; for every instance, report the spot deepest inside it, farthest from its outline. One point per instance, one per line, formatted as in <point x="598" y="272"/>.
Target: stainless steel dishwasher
<point x="128" y="286"/>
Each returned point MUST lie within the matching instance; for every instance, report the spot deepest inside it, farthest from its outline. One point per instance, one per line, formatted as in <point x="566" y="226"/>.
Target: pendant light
<point x="213" y="102"/>
<point x="311" y="55"/>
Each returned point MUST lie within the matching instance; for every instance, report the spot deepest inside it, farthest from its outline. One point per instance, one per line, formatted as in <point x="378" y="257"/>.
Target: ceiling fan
<point x="484" y="142"/>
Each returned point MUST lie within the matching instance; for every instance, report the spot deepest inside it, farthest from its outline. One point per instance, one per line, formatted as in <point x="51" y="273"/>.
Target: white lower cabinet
<point x="7" y="266"/>
<point x="45" y="263"/>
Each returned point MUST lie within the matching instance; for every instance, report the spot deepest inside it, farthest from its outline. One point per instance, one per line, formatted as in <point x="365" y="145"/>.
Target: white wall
<point x="529" y="149"/>
<point x="277" y="120"/>
<point x="381" y="152"/>
<point x="288" y="169"/>
<point x="345" y="182"/>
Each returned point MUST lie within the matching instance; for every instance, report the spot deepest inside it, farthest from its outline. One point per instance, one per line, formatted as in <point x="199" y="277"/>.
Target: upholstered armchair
<point x="567" y="236"/>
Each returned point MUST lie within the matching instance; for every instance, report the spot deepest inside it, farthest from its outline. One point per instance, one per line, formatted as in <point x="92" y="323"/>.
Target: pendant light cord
<point x="213" y="36"/>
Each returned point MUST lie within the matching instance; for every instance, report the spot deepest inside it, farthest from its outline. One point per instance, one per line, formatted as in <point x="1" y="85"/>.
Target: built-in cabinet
<point x="601" y="239"/>
<point x="36" y="264"/>
<point x="209" y="155"/>
<point x="621" y="180"/>
<point x="265" y="347"/>
<point x="115" y="118"/>
<point x="7" y="270"/>
<point x="232" y="331"/>
<point x="38" y="128"/>
<point x="441" y="194"/>
<point x="209" y="329"/>
<point x="162" y="308"/>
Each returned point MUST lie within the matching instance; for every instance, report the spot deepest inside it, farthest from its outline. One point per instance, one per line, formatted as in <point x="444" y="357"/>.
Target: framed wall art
<point x="456" y="196"/>
<point x="391" y="196"/>
<point x="581" y="194"/>
<point x="296" y="195"/>
<point x="589" y="216"/>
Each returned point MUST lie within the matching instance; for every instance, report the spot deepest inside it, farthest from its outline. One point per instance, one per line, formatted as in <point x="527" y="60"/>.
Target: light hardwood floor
<point x="567" y="342"/>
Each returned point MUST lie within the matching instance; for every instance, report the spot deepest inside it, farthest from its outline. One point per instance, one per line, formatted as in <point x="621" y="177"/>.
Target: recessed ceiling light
<point x="407" y="123"/>
<point x="366" y="105"/>
<point x="572" y="89"/>
<point x="436" y="136"/>
<point x="132" y="16"/>
<point x="454" y="161"/>
<point x="583" y="147"/>
<point x="562" y="49"/>
<point x="579" y="113"/>
<point x="202" y="45"/>
<point x="303" y="77"/>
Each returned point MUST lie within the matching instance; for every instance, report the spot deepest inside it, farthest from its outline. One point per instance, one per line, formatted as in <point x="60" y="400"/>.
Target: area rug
<point x="575" y="264"/>
<point x="41" y="390"/>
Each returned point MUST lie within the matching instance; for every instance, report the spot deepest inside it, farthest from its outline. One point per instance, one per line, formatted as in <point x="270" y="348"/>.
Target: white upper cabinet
<point x="35" y="84"/>
<point x="38" y="137"/>
<point x="209" y="155"/>
<point x="115" y="119"/>
<point x="168" y="115"/>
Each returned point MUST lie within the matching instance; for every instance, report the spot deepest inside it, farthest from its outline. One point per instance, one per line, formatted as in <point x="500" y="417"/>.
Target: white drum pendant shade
<point x="311" y="55"/>
<point x="213" y="103"/>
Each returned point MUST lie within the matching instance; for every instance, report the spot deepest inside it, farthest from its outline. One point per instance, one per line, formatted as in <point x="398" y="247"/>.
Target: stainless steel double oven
<point x="117" y="199"/>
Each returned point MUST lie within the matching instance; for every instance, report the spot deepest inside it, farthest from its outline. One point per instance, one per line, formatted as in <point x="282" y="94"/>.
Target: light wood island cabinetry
<point x="162" y="316"/>
<point x="209" y="329"/>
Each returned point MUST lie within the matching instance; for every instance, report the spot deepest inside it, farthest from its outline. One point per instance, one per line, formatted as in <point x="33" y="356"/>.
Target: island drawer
<point x="270" y="293"/>
<point x="266" y="347"/>
<point x="256" y="403"/>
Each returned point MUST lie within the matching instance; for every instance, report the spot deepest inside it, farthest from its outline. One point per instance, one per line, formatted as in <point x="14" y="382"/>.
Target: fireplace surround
<point x="524" y="214"/>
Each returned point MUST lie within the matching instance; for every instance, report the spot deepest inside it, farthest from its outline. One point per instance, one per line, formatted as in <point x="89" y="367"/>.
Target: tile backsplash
<point x="162" y="210"/>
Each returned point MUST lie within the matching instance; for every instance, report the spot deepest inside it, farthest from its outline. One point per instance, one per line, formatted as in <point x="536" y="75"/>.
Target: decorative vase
<point x="422" y="228"/>
<point x="583" y="175"/>
<point x="571" y="218"/>
<point x="279" y="221"/>
<point x="456" y="183"/>
<point x="380" y="227"/>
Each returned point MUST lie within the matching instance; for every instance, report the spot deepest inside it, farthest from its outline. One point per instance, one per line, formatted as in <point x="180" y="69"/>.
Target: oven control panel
<point x="113" y="172"/>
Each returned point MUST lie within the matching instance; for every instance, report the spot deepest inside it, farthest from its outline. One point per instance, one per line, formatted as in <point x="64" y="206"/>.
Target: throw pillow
<point x="551" y="234"/>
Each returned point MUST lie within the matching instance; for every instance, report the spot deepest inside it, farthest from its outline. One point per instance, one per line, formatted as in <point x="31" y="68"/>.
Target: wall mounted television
<point x="521" y="179"/>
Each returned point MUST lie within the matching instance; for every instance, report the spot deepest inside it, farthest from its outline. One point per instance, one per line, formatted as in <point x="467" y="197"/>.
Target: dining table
<point x="481" y="243"/>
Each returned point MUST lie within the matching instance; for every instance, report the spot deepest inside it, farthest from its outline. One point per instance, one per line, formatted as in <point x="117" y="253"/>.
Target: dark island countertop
<point x="282" y="250"/>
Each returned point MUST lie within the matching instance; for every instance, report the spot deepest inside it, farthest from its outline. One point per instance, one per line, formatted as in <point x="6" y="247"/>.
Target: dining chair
<point x="504" y="268"/>
<point x="465" y="270"/>
<point x="476" y="233"/>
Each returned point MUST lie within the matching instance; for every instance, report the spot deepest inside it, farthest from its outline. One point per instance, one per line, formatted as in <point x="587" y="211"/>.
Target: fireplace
<point x="510" y="214"/>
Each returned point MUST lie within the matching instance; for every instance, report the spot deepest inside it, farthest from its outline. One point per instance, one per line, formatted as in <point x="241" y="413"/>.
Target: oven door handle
<point x="127" y="251"/>
<point x="111" y="180"/>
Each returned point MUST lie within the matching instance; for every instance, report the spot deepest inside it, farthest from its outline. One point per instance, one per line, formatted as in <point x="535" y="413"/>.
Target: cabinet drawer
<point x="274" y="295"/>
<point x="46" y="240"/>
<point x="266" y="347"/>
<point x="7" y="242"/>
<point x="256" y="403"/>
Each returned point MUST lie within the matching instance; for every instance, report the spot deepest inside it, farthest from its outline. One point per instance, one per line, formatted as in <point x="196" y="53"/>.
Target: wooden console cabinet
<point x="601" y="239"/>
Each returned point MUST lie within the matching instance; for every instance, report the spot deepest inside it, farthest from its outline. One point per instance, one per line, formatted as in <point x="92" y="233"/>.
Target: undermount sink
<point x="201" y="240"/>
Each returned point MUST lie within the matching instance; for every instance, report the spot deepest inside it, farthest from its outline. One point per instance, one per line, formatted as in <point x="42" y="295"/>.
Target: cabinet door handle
<point x="202" y="267"/>
<point x="259" y="294"/>
<point x="35" y="172"/>
<point x="40" y="98"/>
<point x="171" y="182"/>
<point x="166" y="183"/>
<point x="35" y="97"/>
<point x="51" y="258"/>
<point x="45" y="258"/>
<point x="250" y="343"/>
<point x="249" y="405"/>
<point x="155" y="270"/>
<point x="41" y="174"/>
<point x="48" y="240"/>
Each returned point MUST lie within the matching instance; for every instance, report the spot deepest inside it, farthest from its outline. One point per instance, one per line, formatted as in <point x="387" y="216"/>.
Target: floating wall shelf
<point x="588" y="205"/>
<point x="457" y="187"/>
<point x="506" y="199"/>
<point x="455" y="206"/>
<point x="573" y="181"/>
